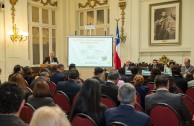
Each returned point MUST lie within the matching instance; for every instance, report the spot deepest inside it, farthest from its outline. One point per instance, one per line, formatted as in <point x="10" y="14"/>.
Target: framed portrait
<point x="165" y="23"/>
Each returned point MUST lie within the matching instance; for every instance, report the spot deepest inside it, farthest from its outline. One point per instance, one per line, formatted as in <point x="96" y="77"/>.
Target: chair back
<point x="151" y="86"/>
<point x="26" y="113"/>
<point x="117" y="124"/>
<point x="29" y="90"/>
<point x="163" y="115"/>
<point x="52" y="87"/>
<point x="81" y="119"/>
<point x="138" y="98"/>
<point x="190" y="93"/>
<point x="61" y="99"/>
<point x="138" y="107"/>
<point x="107" y="101"/>
<point x="189" y="102"/>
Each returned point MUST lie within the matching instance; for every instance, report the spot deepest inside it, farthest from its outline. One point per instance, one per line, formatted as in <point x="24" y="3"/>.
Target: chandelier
<point x="15" y="34"/>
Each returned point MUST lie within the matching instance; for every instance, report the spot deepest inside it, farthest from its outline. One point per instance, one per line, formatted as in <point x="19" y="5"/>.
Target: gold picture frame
<point x="165" y="23"/>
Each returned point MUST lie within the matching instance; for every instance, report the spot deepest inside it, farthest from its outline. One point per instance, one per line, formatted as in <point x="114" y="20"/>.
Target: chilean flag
<point x="117" y="61"/>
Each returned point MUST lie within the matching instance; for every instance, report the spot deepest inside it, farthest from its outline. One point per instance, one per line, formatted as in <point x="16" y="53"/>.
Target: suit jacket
<point x="127" y="115"/>
<point x="111" y="90"/>
<point x="181" y="83"/>
<point x="57" y="76"/>
<point x="128" y="68"/>
<point x="47" y="60"/>
<point x="11" y="120"/>
<point x="174" y="100"/>
<point x="99" y="80"/>
<point x="37" y="102"/>
<point x="70" y="88"/>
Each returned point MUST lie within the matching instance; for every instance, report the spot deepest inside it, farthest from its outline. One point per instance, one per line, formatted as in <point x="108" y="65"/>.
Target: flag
<point x="117" y="61"/>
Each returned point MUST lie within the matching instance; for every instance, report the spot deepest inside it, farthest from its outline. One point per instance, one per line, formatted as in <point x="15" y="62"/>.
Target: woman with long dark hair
<point x="88" y="102"/>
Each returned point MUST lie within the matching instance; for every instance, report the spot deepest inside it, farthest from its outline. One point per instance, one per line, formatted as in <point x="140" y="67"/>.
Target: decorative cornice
<point x="92" y="3"/>
<point x="46" y="2"/>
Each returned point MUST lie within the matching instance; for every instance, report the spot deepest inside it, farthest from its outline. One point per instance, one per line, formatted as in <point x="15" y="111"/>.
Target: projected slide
<point x="90" y="51"/>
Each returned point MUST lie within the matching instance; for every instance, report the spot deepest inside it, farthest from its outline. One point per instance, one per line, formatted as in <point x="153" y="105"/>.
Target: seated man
<point x="59" y="74"/>
<point x="97" y="74"/>
<point x="187" y="69"/>
<point x="125" y="112"/>
<point x="109" y="88"/>
<point x="162" y="95"/>
<point x="127" y="65"/>
<point x="43" y="76"/>
<point x="11" y="103"/>
<point x="70" y="87"/>
<point x="51" y="59"/>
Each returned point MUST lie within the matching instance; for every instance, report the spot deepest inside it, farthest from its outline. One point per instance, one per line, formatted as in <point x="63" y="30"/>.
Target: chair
<point x="151" y="86"/>
<point x="61" y="99"/>
<point x="81" y="119"/>
<point x="138" y="98"/>
<point x="138" y="107"/>
<point x="190" y="104"/>
<point x="107" y="101"/>
<point x="52" y="87"/>
<point x="163" y="115"/>
<point x="117" y="124"/>
<point x="190" y="93"/>
<point x="29" y="90"/>
<point x="27" y="112"/>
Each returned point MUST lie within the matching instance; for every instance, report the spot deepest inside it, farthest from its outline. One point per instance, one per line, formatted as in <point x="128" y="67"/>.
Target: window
<point x="42" y="29"/>
<point x="97" y="17"/>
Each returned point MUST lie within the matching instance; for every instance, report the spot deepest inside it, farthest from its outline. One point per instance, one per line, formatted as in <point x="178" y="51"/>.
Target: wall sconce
<point x="15" y="35"/>
<point x="122" y="5"/>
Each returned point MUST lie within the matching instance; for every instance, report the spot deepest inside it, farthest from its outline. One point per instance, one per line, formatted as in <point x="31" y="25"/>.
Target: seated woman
<point x="18" y="78"/>
<point x="49" y="116"/>
<point x="27" y="74"/>
<point x="40" y="95"/>
<point x="88" y="102"/>
<point x="142" y="90"/>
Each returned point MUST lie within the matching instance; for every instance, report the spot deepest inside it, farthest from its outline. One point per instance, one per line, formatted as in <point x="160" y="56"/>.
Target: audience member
<point x="72" y="66"/>
<point x="58" y="75"/>
<point x="109" y="88"/>
<point x="188" y="68"/>
<point x="190" y="81"/>
<point x="49" y="116"/>
<point x="125" y="112"/>
<point x="162" y="95"/>
<point x="142" y="90"/>
<point x="134" y="71"/>
<point x="11" y="103"/>
<point x="18" y="78"/>
<point x="70" y="87"/>
<point x="154" y="72"/>
<point x="180" y="82"/>
<point x="172" y="85"/>
<point x="43" y="76"/>
<point x="123" y="76"/>
<point x="88" y="102"/>
<point x="17" y="69"/>
<point x="40" y="95"/>
<point x="51" y="59"/>
<point x="127" y="65"/>
<point x="28" y="75"/>
<point x="97" y="74"/>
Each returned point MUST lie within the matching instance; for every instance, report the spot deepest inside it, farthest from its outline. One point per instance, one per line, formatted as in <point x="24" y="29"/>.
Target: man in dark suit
<point x="127" y="65"/>
<point x="162" y="95"/>
<point x="59" y="74"/>
<point x="51" y="59"/>
<point x="125" y="112"/>
<point x="109" y="88"/>
<point x="11" y="103"/>
<point x="97" y="74"/>
<point x="155" y="64"/>
<point x="43" y="76"/>
<point x="70" y="87"/>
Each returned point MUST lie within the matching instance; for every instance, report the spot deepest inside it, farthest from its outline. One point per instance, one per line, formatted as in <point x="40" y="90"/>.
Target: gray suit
<point x="174" y="100"/>
<point x="189" y="69"/>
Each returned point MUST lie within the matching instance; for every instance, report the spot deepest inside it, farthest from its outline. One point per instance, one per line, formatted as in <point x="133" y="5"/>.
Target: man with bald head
<point x="51" y="59"/>
<point x="187" y="69"/>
